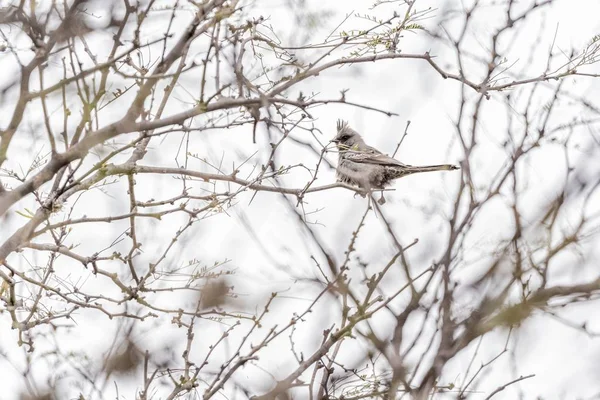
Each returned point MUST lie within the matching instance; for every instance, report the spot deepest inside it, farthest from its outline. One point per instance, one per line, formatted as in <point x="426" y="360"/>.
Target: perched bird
<point x="366" y="167"/>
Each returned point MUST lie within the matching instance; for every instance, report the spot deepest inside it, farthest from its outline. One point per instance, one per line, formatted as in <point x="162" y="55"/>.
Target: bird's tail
<point x="410" y="169"/>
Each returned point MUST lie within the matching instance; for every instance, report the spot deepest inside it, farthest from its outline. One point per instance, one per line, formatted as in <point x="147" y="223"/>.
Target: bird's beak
<point x="334" y="141"/>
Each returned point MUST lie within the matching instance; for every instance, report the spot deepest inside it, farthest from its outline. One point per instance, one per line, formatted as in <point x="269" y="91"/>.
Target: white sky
<point x="564" y="360"/>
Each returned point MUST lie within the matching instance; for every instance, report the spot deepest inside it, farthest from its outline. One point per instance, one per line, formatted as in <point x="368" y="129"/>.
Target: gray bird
<point x="366" y="167"/>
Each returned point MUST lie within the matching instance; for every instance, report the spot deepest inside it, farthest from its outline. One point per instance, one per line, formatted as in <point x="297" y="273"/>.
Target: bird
<point x="368" y="168"/>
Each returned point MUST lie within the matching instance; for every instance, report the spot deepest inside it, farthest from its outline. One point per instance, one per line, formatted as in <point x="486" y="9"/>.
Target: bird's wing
<point x="370" y="155"/>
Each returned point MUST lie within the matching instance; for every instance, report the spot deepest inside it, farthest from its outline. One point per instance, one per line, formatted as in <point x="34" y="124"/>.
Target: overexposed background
<point x="262" y="244"/>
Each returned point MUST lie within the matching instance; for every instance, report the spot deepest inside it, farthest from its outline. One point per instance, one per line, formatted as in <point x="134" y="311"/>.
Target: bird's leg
<point x="364" y="189"/>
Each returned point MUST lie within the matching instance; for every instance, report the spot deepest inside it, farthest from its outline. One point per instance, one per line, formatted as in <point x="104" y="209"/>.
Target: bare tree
<point x="144" y="144"/>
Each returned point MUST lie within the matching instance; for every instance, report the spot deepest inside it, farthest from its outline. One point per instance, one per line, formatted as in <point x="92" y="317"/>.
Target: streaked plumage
<point x="366" y="167"/>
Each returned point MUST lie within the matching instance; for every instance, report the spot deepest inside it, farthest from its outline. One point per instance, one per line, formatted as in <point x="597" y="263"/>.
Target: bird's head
<point x="346" y="137"/>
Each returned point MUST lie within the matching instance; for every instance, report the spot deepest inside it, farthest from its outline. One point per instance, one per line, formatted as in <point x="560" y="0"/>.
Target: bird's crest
<point x="341" y="125"/>
<point x="345" y="133"/>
